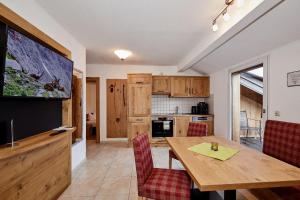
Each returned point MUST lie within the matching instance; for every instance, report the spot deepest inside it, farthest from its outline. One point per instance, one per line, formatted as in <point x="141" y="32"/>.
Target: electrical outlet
<point x="277" y="113"/>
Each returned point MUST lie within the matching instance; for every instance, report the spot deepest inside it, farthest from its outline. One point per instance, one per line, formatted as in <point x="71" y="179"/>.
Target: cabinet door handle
<point x="139" y="82"/>
<point x="139" y="120"/>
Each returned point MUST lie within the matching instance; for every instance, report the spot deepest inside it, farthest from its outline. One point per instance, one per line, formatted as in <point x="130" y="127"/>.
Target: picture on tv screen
<point x="33" y="70"/>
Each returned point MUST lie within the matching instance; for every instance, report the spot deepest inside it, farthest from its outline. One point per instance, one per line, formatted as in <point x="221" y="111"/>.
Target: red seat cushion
<point x="287" y="193"/>
<point x="282" y="141"/>
<point x="197" y="130"/>
<point x="167" y="184"/>
<point x="172" y="154"/>
<point x="143" y="159"/>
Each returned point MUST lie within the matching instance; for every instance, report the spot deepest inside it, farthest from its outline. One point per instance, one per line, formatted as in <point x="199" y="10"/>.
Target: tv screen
<point x="34" y="70"/>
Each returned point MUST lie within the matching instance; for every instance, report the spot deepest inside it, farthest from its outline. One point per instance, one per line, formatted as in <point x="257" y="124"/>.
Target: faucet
<point x="176" y="110"/>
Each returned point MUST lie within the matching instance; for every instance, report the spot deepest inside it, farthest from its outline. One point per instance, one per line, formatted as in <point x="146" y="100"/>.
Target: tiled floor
<point x="109" y="173"/>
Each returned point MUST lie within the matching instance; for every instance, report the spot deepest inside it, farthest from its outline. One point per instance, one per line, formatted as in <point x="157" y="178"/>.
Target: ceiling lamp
<point x="224" y="12"/>
<point x="122" y="54"/>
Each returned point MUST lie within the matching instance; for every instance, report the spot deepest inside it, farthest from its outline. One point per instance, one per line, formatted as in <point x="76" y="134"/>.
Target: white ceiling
<point x="276" y="28"/>
<point x="158" y="32"/>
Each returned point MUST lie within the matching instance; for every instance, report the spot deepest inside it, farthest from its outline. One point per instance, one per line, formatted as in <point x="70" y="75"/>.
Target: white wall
<point x="90" y="97"/>
<point x="120" y="72"/>
<point x="281" y="98"/>
<point x="37" y="16"/>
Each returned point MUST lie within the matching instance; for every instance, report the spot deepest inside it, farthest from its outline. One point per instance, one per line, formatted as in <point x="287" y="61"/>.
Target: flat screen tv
<point x="31" y="69"/>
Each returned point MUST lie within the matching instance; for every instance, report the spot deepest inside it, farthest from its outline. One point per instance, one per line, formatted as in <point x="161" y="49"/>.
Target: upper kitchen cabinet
<point x="139" y="78"/>
<point x="161" y="85"/>
<point x="190" y="86"/>
<point x="180" y="86"/>
<point x="139" y="95"/>
<point x="200" y="87"/>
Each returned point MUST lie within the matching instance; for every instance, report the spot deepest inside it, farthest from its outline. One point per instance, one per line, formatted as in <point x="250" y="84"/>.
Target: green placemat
<point x="223" y="153"/>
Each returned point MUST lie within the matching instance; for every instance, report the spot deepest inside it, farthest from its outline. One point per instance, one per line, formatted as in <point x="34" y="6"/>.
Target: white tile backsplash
<point x="163" y="104"/>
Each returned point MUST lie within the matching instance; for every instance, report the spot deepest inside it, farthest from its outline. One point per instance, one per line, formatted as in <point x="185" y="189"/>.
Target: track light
<point x="226" y="16"/>
<point x="215" y="26"/>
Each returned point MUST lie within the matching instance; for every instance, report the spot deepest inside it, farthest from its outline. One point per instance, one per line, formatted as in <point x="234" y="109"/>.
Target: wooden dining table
<point x="248" y="169"/>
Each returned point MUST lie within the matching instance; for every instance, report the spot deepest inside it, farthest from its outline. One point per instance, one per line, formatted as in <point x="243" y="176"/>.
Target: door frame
<point x="264" y="60"/>
<point x="96" y="80"/>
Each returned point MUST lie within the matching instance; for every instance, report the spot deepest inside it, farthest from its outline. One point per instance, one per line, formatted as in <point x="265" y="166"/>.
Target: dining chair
<point x="194" y="130"/>
<point x="282" y="141"/>
<point x="156" y="183"/>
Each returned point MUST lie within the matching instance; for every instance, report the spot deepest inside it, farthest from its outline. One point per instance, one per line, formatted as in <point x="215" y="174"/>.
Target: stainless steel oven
<point x="162" y="126"/>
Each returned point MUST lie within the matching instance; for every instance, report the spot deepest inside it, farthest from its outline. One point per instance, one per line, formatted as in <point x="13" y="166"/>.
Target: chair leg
<point x="170" y="162"/>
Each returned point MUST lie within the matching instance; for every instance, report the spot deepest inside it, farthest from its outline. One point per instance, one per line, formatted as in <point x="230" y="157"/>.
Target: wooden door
<point x="138" y="125"/>
<point x="181" y="125"/>
<point x="160" y="85"/>
<point x="180" y="86"/>
<point x="116" y="108"/>
<point x="139" y="100"/>
<point x="77" y="107"/>
<point x="200" y="87"/>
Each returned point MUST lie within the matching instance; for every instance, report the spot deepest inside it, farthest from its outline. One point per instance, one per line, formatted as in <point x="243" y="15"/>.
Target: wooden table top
<point x="247" y="169"/>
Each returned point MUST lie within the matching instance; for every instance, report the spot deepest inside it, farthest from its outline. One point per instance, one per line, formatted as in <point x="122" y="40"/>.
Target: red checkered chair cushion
<point x="168" y="184"/>
<point x="194" y="130"/>
<point x="282" y="141"/>
<point x="154" y="183"/>
<point x="143" y="159"/>
<point x="197" y="130"/>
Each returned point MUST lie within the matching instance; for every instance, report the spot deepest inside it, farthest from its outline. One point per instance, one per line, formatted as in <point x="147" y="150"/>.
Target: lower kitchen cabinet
<point x="138" y="125"/>
<point x="181" y="126"/>
<point x="182" y="123"/>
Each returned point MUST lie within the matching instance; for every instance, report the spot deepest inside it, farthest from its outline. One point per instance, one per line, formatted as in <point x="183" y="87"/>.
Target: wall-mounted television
<point x="32" y="69"/>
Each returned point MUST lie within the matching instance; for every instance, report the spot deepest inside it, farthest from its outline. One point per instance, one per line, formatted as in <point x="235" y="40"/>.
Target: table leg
<point x="230" y="195"/>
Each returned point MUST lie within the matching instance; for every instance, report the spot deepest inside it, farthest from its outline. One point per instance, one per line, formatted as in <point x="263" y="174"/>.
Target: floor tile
<point x="115" y="185"/>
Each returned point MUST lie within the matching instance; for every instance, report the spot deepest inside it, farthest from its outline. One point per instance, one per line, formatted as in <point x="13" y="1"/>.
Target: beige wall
<point x="91" y="98"/>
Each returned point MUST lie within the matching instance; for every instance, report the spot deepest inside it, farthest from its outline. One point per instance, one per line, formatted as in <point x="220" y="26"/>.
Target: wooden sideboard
<point x="39" y="167"/>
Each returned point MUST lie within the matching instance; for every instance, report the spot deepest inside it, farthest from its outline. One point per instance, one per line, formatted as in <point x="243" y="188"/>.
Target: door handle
<point x="124" y="95"/>
<point x="118" y="120"/>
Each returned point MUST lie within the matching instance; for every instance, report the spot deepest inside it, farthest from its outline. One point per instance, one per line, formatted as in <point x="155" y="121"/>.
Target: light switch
<point x="277" y="113"/>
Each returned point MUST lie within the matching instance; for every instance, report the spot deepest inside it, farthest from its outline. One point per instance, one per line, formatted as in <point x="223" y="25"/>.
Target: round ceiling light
<point x="122" y="54"/>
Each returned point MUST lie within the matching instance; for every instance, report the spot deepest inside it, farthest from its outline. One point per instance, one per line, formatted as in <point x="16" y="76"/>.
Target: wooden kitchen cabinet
<point x="190" y="86"/>
<point x="181" y="125"/>
<point x="180" y="86"/>
<point x="138" y="125"/>
<point x="199" y="87"/>
<point x="161" y="85"/>
<point x="139" y="100"/>
<point x="139" y="95"/>
<point x="139" y="78"/>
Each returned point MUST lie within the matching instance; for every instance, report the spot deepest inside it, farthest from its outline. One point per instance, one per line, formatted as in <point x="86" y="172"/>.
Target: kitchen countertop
<point x="181" y="114"/>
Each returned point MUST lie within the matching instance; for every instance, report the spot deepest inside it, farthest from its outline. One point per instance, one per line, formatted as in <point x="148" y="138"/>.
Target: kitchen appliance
<point x="202" y="108"/>
<point x="162" y="126"/>
<point x="194" y="110"/>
